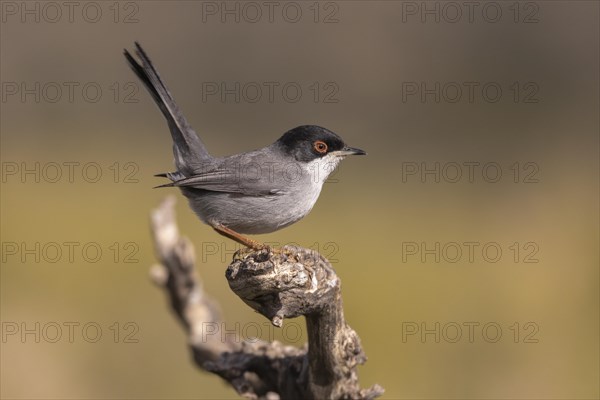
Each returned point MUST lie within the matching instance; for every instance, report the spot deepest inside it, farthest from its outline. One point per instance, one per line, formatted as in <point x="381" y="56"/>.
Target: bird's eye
<point x="320" y="147"/>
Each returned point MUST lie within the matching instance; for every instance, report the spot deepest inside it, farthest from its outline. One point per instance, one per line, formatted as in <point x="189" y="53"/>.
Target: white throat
<point x="320" y="169"/>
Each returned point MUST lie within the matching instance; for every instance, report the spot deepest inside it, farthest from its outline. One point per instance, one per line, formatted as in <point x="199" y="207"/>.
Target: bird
<point x="255" y="192"/>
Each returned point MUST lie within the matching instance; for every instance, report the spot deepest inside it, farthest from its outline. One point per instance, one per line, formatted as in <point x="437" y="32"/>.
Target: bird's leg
<point x="243" y="240"/>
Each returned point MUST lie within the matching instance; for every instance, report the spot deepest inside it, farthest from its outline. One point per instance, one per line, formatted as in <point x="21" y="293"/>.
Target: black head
<point x="310" y="142"/>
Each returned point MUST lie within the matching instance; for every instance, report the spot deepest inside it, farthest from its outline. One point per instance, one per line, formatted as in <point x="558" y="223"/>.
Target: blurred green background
<point x="377" y="221"/>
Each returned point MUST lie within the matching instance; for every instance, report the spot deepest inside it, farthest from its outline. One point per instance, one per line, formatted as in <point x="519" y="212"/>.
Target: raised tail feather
<point x="188" y="149"/>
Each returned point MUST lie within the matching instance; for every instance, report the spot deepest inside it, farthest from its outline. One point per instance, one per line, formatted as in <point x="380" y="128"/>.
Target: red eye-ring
<point x="320" y="147"/>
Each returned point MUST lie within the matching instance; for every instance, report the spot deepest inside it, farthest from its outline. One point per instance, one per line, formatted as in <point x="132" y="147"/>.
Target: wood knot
<point x="282" y="283"/>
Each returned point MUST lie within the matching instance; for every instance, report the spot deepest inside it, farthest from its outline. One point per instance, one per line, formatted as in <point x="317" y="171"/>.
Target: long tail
<point x="188" y="149"/>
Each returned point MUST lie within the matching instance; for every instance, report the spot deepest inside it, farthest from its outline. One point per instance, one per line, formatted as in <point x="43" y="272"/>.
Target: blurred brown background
<point x="368" y="64"/>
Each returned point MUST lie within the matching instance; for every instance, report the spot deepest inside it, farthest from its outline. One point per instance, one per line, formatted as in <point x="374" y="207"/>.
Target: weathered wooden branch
<point x="286" y="283"/>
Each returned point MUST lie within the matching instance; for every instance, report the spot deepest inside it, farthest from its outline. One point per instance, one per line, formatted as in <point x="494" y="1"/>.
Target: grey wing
<point x="223" y="181"/>
<point x="247" y="174"/>
<point x="232" y="177"/>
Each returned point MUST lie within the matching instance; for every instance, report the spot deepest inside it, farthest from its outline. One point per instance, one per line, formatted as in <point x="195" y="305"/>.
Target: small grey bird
<point x="259" y="191"/>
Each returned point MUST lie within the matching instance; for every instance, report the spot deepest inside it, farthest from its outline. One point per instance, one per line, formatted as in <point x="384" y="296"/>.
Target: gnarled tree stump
<point x="285" y="283"/>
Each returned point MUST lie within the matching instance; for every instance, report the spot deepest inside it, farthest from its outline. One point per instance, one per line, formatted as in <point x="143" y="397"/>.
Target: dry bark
<point x="285" y="283"/>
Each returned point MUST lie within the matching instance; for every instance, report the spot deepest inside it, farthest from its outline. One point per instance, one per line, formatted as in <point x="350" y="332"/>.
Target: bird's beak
<point x="349" y="151"/>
